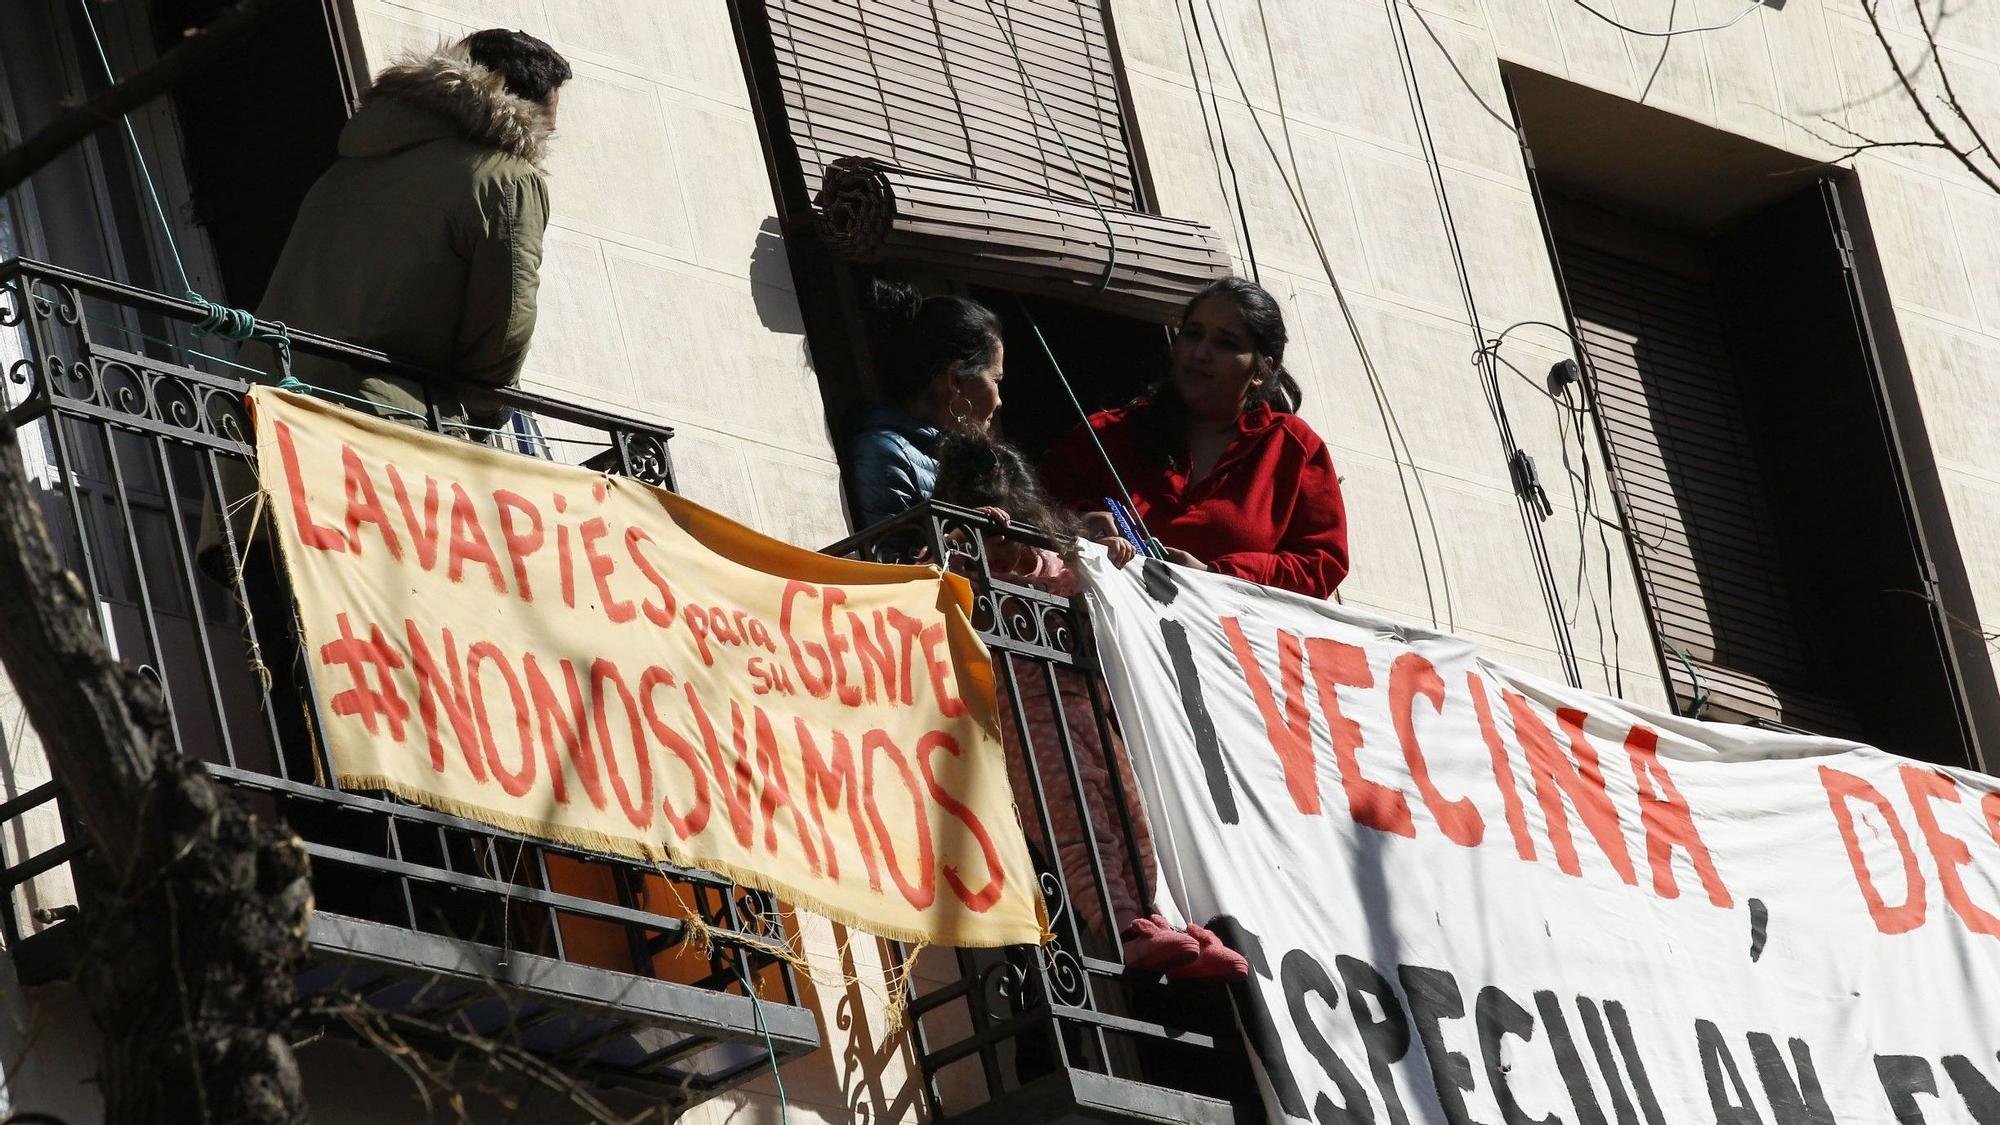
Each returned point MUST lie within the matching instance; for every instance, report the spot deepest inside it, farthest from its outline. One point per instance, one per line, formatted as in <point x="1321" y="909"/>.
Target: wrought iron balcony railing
<point x="131" y="424"/>
<point x="1063" y="1031"/>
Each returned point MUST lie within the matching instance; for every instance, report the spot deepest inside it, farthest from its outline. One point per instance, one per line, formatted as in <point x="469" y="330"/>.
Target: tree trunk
<point x="194" y="912"/>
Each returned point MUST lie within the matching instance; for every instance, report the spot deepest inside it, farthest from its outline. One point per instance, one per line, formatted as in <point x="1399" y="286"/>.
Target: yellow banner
<point x="592" y="660"/>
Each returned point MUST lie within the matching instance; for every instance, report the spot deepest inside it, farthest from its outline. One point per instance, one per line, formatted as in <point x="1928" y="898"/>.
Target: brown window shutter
<point x="1693" y="491"/>
<point x="1128" y="262"/>
<point x="933" y="87"/>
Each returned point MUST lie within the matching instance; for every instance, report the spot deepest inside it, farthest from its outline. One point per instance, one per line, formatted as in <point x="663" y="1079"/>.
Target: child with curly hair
<point x="978" y="471"/>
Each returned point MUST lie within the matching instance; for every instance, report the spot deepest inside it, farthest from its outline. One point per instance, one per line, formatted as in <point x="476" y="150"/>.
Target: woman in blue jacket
<point x="941" y="368"/>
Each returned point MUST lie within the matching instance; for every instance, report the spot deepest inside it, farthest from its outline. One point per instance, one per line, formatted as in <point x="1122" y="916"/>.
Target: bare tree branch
<point x="1944" y="80"/>
<point x="436" y="1057"/>
<point x="1964" y="157"/>
<point x="1859" y="142"/>
<point x="201" y="47"/>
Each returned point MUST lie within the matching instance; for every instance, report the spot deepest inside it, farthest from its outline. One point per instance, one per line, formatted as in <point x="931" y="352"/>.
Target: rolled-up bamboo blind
<point x="1143" y="265"/>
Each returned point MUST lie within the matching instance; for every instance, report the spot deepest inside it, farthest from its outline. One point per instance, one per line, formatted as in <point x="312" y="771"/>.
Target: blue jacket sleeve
<point x="881" y="480"/>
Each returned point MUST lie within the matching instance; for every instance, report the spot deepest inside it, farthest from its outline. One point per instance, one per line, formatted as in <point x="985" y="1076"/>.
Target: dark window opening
<point x="257" y="131"/>
<point x="1783" y="557"/>
<point x="1107" y="359"/>
<point x="84" y="209"/>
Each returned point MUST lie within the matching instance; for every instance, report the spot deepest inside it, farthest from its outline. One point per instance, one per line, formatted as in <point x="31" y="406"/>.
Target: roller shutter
<point x="1129" y="262"/>
<point x="923" y="140"/>
<point x="930" y="85"/>
<point x="1694" y="492"/>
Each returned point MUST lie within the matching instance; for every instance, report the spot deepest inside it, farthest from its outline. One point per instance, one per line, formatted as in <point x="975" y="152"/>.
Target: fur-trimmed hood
<point x="453" y="96"/>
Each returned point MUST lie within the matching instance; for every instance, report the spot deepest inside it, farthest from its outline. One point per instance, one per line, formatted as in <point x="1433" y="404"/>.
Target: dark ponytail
<point x="1163" y="419"/>
<point x="922" y="337"/>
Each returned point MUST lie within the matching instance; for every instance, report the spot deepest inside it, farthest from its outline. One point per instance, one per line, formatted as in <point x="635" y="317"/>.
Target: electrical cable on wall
<point x="1642" y="546"/>
<point x="1392" y="426"/>
<point x="1477" y="95"/>
<point x="1587" y="511"/>
<point x="1222" y="131"/>
<point x="1214" y="150"/>
<point x="1532" y="499"/>
<point x="1570" y="412"/>
<point x="1111" y="235"/>
<point x="1670" y="32"/>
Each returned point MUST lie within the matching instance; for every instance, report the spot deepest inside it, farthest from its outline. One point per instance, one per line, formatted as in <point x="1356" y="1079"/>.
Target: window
<point x="976" y="146"/>
<point x="1726" y="343"/>
<point x="982" y="139"/>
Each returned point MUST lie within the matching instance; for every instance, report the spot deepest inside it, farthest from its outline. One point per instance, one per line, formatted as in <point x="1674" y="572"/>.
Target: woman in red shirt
<point x="1221" y="469"/>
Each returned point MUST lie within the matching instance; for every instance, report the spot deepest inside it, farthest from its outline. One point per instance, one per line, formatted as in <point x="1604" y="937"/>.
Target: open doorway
<point x="292" y="92"/>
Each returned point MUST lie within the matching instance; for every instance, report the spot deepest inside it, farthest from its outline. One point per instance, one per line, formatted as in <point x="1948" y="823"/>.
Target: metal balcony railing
<point x="1063" y="1031"/>
<point x="131" y="424"/>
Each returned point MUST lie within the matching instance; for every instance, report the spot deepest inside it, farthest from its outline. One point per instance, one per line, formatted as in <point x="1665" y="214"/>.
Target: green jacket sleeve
<point x="498" y="317"/>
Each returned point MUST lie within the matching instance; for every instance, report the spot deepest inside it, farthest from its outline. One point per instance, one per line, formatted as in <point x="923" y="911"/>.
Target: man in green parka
<point x="424" y="240"/>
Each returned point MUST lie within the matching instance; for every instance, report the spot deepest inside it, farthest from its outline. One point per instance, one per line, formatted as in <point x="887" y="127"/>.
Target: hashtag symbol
<point x="360" y="657"/>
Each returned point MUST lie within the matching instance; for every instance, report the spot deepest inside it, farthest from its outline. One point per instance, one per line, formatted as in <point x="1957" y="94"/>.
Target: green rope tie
<point x="223" y="321"/>
<point x="770" y="1048"/>
<point x="1699" y="703"/>
<point x="240" y="325"/>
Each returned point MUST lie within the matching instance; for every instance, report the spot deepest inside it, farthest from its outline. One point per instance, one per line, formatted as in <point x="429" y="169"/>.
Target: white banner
<point x="1469" y="895"/>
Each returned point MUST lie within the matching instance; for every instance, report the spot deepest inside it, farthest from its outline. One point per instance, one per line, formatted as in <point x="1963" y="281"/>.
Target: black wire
<point x="1509" y="330"/>
<point x="1587" y="369"/>
<point x="1575" y="412"/>
<point x="1458" y="71"/>
<point x="1528" y="503"/>
<point x="1151" y="546"/>
<point x="1392" y="426"/>
<point x="1242" y="216"/>
<point x="1111" y="235"/>
<point x="1583" y="501"/>
<point x="1214" y="150"/>
<point x="1671" y="31"/>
